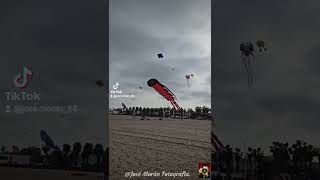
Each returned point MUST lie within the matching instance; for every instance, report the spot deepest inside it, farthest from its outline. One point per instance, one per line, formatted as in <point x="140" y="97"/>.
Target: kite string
<point x="249" y="75"/>
<point x="251" y="70"/>
<point x="245" y="64"/>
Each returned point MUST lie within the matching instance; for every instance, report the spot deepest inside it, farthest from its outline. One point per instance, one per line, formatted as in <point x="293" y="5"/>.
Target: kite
<point x="99" y="83"/>
<point x="217" y="144"/>
<point x="124" y="107"/>
<point x="188" y="79"/>
<point x="140" y="87"/>
<point x="160" y="55"/>
<point x="261" y="45"/>
<point x="47" y="140"/>
<point x="247" y="57"/>
<point x="164" y="91"/>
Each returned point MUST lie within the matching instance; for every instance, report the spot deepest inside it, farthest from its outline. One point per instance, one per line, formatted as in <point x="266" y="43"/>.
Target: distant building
<point x="15" y="159"/>
<point x="315" y="162"/>
<point x="4" y="158"/>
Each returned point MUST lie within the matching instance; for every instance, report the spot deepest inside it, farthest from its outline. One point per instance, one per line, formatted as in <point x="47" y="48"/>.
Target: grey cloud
<point x="140" y="30"/>
<point x="284" y="101"/>
<point x="64" y="44"/>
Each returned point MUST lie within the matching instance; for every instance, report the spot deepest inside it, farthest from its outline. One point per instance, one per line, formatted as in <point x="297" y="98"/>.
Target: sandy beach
<point x="162" y="146"/>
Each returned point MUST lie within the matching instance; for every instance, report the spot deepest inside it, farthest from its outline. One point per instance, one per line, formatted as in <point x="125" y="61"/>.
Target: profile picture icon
<point x="204" y="170"/>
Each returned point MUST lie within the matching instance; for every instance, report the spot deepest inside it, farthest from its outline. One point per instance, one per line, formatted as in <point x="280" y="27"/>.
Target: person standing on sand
<point x="181" y="114"/>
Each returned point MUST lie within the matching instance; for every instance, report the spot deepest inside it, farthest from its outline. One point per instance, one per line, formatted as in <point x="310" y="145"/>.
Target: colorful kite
<point x="188" y="78"/>
<point x="261" y="45"/>
<point x="247" y="56"/>
<point x="164" y="91"/>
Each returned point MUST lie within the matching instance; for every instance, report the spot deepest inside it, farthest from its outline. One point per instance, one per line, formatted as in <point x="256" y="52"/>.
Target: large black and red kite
<point x="165" y="92"/>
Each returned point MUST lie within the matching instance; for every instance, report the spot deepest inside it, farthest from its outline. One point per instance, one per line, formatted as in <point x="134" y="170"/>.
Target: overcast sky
<point x="284" y="103"/>
<point x="180" y="30"/>
<point x="63" y="42"/>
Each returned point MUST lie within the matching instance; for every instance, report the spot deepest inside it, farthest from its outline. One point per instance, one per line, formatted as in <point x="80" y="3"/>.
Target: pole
<point x="245" y="160"/>
<point x="218" y="161"/>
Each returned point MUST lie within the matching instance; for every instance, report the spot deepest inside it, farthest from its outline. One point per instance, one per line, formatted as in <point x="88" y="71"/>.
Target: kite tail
<point x="245" y="64"/>
<point x="251" y="70"/>
<point x="175" y="105"/>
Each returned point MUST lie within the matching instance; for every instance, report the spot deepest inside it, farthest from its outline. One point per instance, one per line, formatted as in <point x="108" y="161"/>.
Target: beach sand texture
<point x="170" y="145"/>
